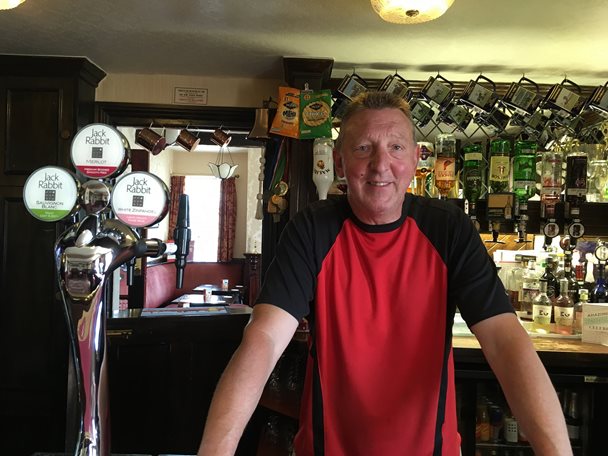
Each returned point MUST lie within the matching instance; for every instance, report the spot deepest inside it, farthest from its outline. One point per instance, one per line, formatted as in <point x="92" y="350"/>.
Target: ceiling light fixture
<point x="10" y="4"/>
<point x="410" y="11"/>
<point x="222" y="169"/>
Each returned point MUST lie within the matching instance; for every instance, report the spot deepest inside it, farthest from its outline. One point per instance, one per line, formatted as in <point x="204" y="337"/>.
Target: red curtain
<point x="178" y="184"/>
<point x="227" y="224"/>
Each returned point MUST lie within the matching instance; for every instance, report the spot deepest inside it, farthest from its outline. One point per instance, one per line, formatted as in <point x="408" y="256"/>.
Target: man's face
<point x="378" y="158"/>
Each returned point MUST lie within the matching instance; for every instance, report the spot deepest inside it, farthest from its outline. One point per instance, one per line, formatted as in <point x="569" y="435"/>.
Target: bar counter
<point x="568" y="355"/>
<point x="163" y="371"/>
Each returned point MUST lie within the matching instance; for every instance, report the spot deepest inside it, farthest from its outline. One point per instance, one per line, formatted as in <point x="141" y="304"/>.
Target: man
<point x="379" y="275"/>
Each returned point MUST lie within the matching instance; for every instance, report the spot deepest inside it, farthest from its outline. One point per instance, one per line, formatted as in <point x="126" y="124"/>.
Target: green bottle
<point x="524" y="171"/>
<point x="471" y="175"/>
<point x="500" y="166"/>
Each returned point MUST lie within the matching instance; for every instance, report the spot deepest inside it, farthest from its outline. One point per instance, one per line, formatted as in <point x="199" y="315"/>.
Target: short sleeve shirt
<point x="381" y="300"/>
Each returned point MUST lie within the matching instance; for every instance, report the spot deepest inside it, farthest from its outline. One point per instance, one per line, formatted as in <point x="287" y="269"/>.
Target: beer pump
<point x="88" y="252"/>
<point x="181" y="235"/>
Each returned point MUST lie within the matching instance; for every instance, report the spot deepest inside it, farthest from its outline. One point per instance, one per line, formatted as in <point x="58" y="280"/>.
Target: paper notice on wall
<point x="190" y="96"/>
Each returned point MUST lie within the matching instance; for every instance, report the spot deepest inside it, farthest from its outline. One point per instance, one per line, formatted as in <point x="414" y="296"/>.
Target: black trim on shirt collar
<point x="383" y="228"/>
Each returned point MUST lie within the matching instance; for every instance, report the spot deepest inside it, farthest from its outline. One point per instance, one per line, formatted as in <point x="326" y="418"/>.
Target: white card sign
<point x="190" y="96"/>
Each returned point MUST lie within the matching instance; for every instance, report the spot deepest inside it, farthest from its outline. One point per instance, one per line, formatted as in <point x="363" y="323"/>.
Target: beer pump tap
<point x="88" y="252"/>
<point x="181" y="235"/>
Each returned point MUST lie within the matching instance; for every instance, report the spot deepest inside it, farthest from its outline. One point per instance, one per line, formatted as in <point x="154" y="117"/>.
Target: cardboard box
<point x="595" y="323"/>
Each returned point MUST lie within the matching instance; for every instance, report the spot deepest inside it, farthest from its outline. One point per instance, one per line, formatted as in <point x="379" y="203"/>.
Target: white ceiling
<point x="545" y="39"/>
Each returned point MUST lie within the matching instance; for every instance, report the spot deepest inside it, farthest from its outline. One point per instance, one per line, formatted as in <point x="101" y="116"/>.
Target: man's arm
<point x="524" y="380"/>
<point x="265" y="337"/>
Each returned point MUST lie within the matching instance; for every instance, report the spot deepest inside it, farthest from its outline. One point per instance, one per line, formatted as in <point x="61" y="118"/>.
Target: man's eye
<point x="362" y="148"/>
<point x="398" y="147"/>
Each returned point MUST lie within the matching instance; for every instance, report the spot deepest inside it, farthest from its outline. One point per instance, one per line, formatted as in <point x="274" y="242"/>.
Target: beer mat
<point x="184" y="311"/>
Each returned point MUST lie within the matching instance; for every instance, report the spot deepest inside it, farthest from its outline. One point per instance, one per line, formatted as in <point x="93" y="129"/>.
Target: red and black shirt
<point x="380" y="300"/>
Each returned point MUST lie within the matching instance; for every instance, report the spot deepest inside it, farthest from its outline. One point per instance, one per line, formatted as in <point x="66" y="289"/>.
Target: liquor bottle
<point x="563" y="309"/>
<point x="513" y="286"/>
<point x="482" y="430"/>
<point x="471" y="176"/>
<point x="552" y="284"/>
<point x="589" y="283"/>
<point x="541" y="309"/>
<point x="551" y="181"/>
<point x="529" y="287"/>
<point x="445" y="163"/>
<point x="578" y="311"/>
<point x="571" y="277"/>
<point x="500" y="150"/>
<point x="524" y="171"/>
<point x="576" y="177"/>
<point x="600" y="292"/>
<point x="598" y="174"/>
<point x="573" y="419"/>
<point x="579" y="272"/>
<point x="323" y="165"/>
<point x="426" y="164"/>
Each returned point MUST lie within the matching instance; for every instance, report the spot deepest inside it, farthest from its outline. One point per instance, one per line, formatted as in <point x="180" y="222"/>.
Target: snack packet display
<point x="315" y="114"/>
<point x="287" y="120"/>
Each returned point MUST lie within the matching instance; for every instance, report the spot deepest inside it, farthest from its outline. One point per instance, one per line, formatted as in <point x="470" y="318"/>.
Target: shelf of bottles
<point x="497" y="432"/>
<point x="521" y="158"/>
<point x="500" y="148"/>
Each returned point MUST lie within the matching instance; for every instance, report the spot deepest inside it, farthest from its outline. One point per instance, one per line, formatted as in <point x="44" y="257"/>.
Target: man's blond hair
<point x="374" y="100"/>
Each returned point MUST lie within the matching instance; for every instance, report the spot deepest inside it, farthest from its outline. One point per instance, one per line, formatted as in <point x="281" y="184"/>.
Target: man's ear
<point x="338" y="164"/>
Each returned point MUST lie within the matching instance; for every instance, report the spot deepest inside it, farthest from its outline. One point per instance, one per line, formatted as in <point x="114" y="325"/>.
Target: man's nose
<point x="380" y="159"/>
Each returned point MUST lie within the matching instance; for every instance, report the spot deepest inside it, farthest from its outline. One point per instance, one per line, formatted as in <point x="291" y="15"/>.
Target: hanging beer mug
<point x="352" y="85"/>
<point x="398" y="86"/>
<point x="457" y="115"/>
<point x="522" y="96"/>
<point x="437" y="90"/>
<point x="479" y="97"/>
<point x="323" y="165"/>
<point x="564" y="99"/>
<point x="421" y="112"/>
<point x="537" y="123"/>
<point x="598" y="101"/>
<point x="495" y="119"/>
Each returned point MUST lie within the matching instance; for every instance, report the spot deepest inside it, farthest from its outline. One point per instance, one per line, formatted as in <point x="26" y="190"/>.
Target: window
<point x="204" y="196"/>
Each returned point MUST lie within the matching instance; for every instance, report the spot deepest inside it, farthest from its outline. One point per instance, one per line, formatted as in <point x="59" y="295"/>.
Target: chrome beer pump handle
<point x="85" y="256"/>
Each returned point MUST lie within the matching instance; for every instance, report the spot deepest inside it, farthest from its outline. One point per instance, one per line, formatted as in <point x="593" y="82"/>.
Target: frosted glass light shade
<point x="410" y="11"/>
<point x="9" y="4"/>
<point x="222" y="170"/>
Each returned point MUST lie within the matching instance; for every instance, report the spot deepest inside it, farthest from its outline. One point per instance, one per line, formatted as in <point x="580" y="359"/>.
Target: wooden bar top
<point x="559" y="355"/>
<point x="543" y="344"/>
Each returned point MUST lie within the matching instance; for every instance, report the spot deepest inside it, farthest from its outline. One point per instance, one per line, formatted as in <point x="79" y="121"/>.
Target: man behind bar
<point x="379" y="275"/>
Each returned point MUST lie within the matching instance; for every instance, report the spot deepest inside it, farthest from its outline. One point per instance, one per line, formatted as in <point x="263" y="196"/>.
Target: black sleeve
<point x="290" y="280"/>
<point x="473" y="283"/>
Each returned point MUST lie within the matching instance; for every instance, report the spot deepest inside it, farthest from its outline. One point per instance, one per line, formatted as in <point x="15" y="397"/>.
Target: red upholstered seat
<point x="160" y="279"/>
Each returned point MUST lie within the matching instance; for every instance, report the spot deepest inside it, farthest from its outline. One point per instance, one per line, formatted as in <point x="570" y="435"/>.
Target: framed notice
<point x="190" y="96"/>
